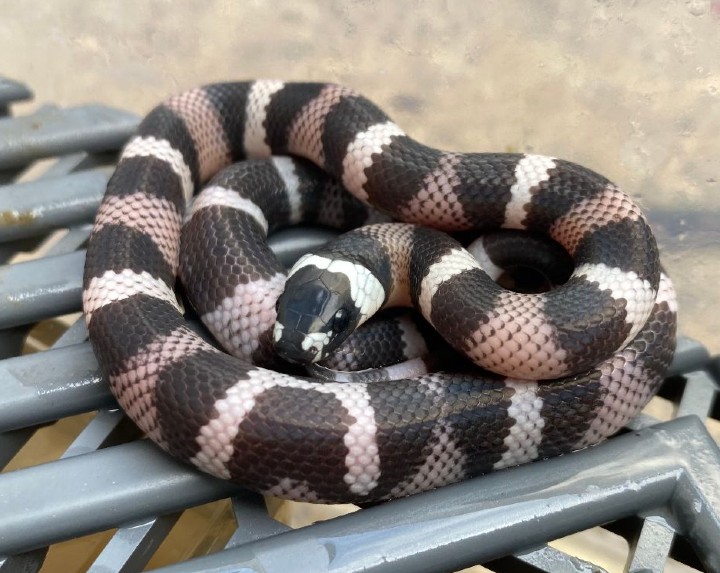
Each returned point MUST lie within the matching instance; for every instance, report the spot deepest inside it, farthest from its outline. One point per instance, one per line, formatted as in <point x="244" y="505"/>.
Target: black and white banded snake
<point x="605" y="337"/>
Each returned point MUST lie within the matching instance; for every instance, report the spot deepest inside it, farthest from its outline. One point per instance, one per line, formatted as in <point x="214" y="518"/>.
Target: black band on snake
<point x="560" y="370"/>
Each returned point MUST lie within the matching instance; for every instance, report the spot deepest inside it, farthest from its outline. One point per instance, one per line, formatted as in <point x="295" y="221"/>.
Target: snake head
<point x="315" y="314"/>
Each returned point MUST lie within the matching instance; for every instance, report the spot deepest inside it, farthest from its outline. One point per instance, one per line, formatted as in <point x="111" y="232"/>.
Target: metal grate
<point x="657" y="485"/>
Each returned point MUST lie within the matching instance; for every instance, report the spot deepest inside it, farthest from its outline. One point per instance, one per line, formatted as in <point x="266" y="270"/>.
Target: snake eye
<point x="341" y="320"/>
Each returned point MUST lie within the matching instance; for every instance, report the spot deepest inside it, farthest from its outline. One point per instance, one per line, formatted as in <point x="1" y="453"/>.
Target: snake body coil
<point x="605" y="337"/>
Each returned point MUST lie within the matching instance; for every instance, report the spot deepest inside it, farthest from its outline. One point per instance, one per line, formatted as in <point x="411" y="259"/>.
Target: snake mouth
<point x="299" y="347"/>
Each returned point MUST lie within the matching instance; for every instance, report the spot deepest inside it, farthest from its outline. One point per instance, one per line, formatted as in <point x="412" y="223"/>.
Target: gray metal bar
<point x="29" y="562"/>
<point x="131" y="548"/>
<point x="253" y="520"/>
<point x="641" y="421"/>
<point x="9" y="250"/>
<point x="37" y="207"/>
<point x="695" y="504"/>
<point x="64" y="165"/>
<point x="99" y="431"/>
<point x="49" y="385"/>
<point x="40" y="289"/>
<point x="52" y="131"/>
<point x="648" y="554"/>
<point x="552" y="560"/>
<point x="689" y="355"/>
<point x="128" y="547"/>
<point x="12" y="91"/>
<point x="12" y="341"/>
<point x="75" y="238"/>
<point x="11" y="442"/>
<point x="71" y="241"/>
<point x="698" y="396"/>
<point x="76" y="334"/>
<point x="108" y="488"/>
<point x="454" y="526"/>
<point x="489" y="517"/>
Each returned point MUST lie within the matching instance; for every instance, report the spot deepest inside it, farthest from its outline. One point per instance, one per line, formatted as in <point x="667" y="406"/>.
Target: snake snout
<point x="290" y="346"/>
<point x="313" y="317"/>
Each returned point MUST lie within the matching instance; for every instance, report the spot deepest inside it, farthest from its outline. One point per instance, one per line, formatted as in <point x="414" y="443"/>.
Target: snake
<point x="553" y="372"/>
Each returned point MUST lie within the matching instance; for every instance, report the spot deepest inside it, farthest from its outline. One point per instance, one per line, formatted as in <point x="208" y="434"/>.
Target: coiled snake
<point x="605" y="337"/>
